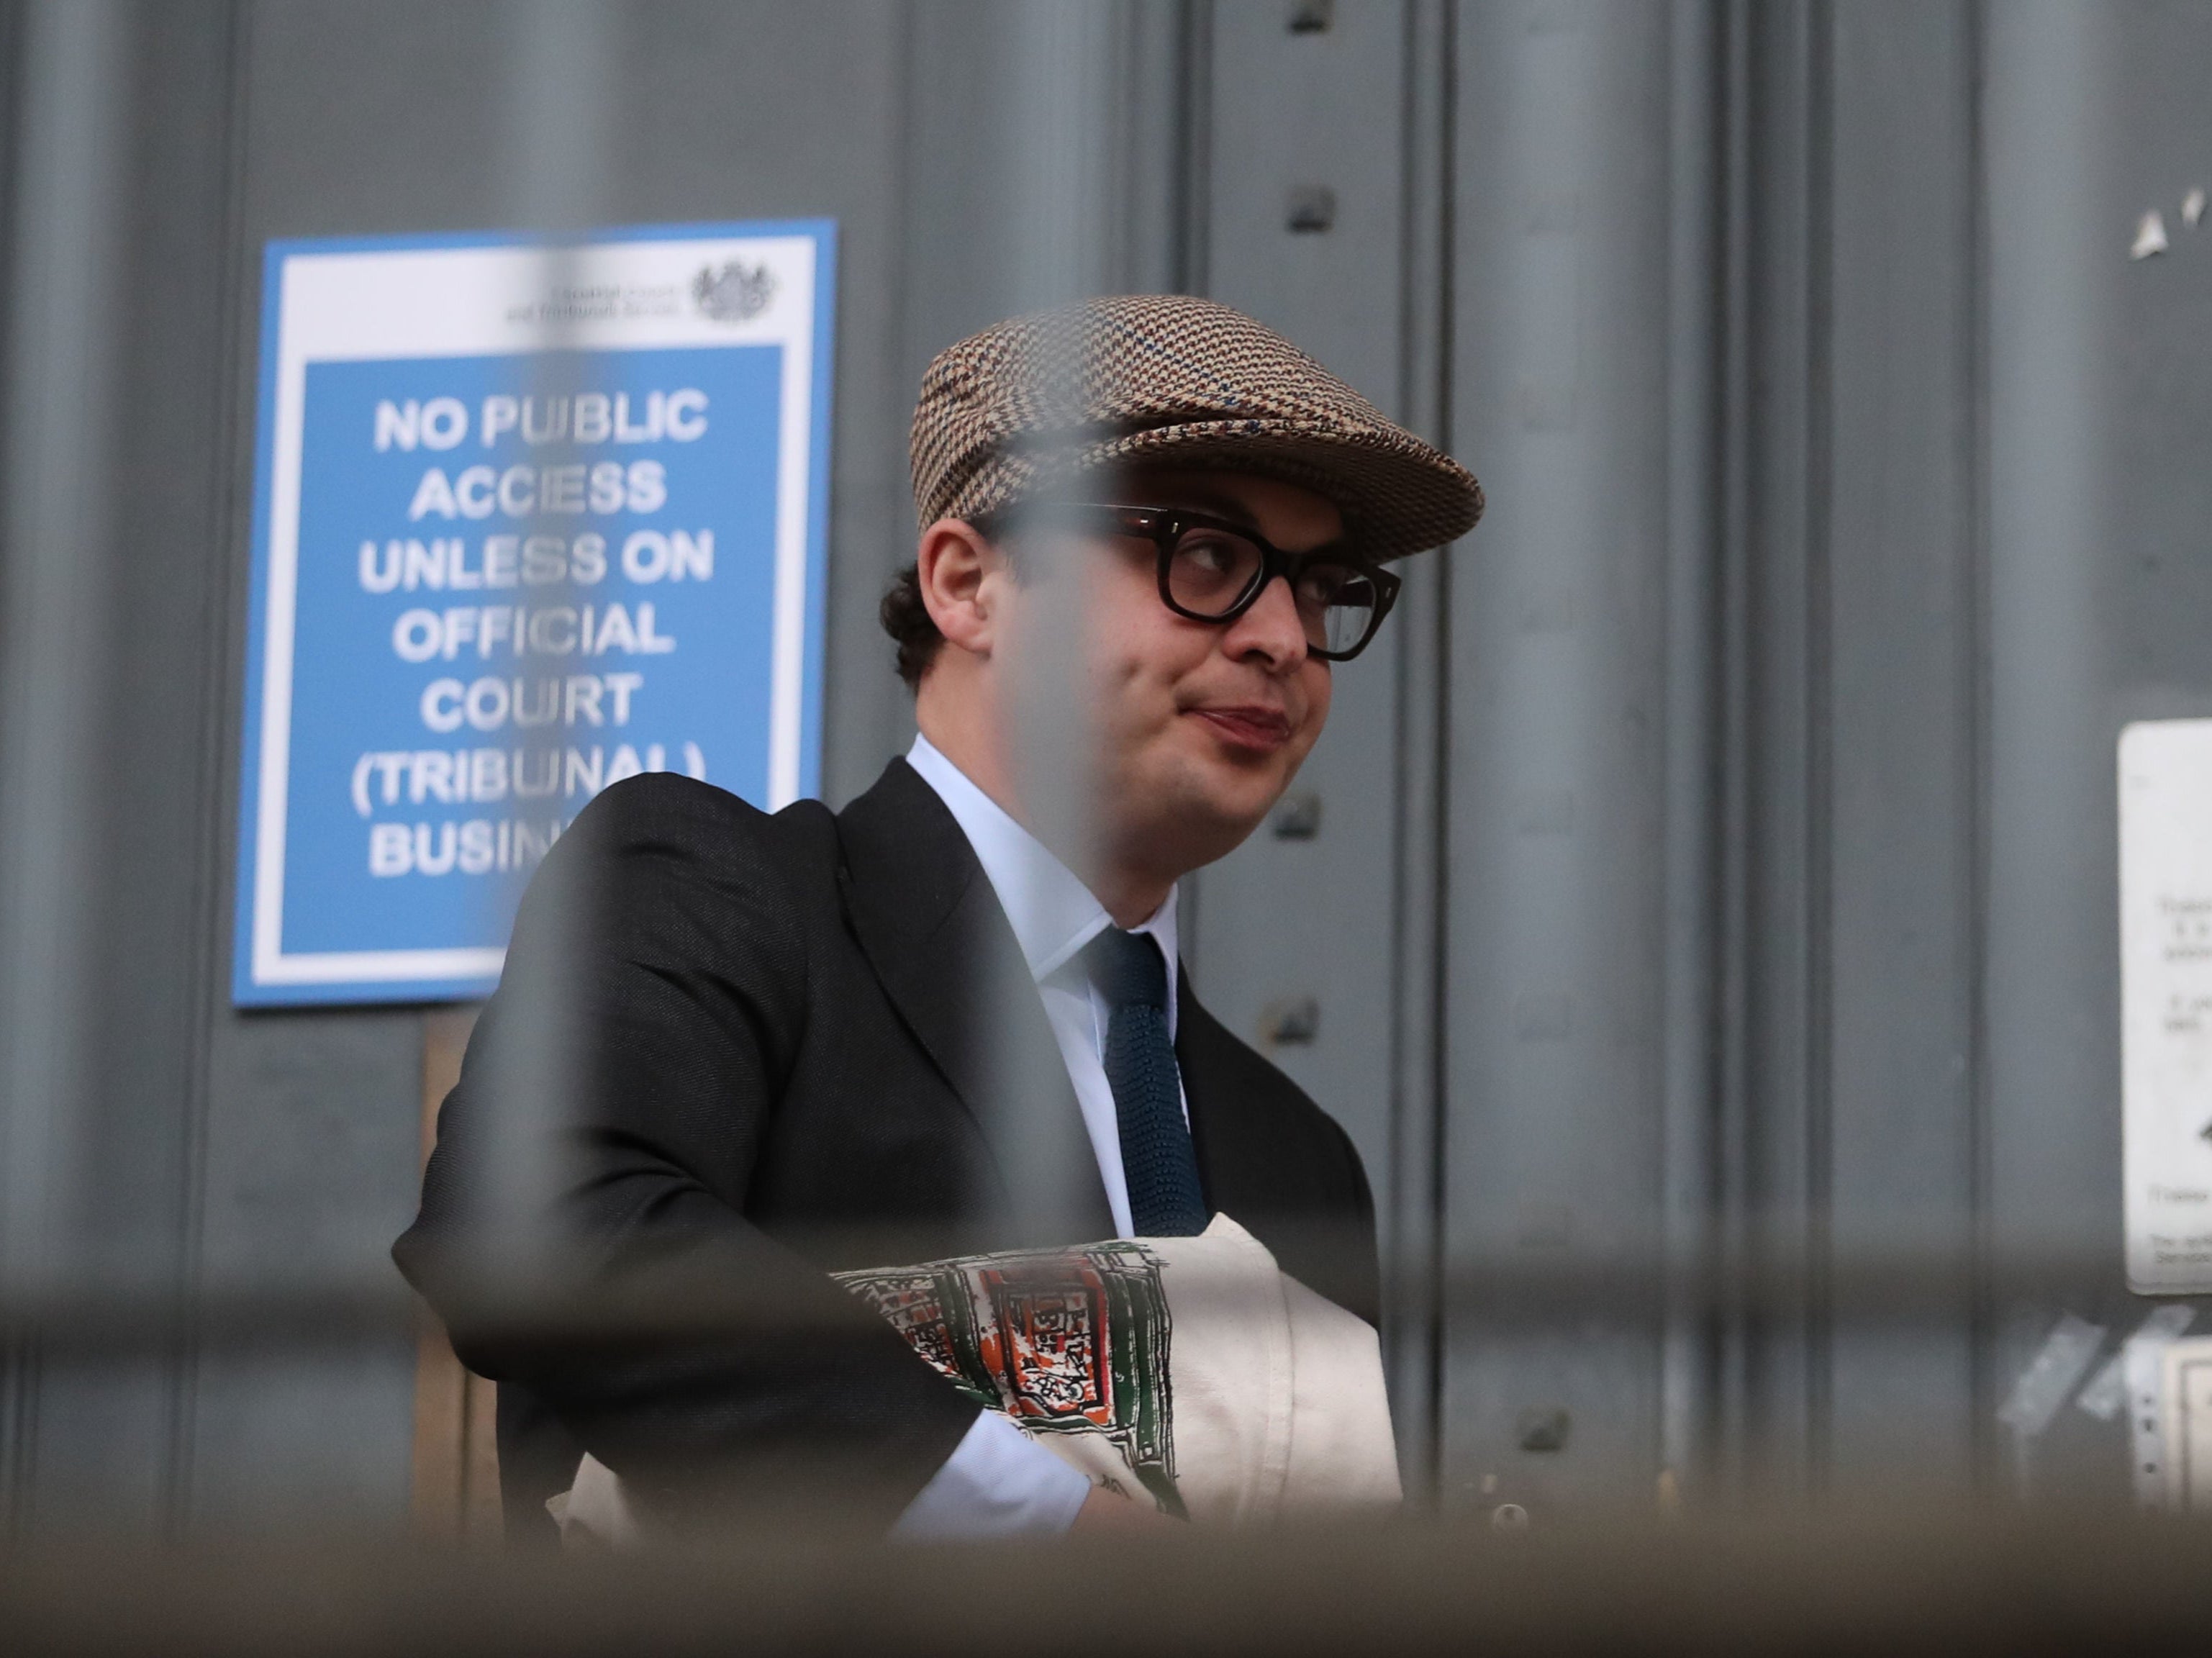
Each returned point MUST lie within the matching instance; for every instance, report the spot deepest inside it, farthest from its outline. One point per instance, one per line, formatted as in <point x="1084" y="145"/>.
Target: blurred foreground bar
<point x="1907" y="1582"/>
<point x="1897" y="1286"/>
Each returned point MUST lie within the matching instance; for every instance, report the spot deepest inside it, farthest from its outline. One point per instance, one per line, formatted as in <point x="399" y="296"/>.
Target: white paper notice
<point x="2165" y="1003"/>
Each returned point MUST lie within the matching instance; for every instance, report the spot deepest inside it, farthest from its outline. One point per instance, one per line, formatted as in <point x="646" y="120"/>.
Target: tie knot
<point x="1128" y="969"/>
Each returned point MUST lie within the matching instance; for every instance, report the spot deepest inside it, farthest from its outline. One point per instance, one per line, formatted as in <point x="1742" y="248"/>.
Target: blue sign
<point x="529" y="521"/>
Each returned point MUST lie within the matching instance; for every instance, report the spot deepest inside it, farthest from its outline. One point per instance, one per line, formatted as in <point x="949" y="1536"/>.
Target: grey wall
<point x="278" y="1150"/>
<point x="1715" y="860"/>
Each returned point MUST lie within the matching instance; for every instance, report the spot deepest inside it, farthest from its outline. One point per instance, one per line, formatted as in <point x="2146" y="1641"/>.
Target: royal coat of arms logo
<point x="1062" y="1342"/>
<point x="734" y="292"/>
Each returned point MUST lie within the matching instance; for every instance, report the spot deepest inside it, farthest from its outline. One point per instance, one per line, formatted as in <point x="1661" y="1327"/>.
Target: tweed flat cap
<point x="1029" y="404"/>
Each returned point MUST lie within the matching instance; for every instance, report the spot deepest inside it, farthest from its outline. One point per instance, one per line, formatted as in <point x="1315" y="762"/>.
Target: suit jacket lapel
<point x="933" y="928"/>
<point x="1232" y="1161"/>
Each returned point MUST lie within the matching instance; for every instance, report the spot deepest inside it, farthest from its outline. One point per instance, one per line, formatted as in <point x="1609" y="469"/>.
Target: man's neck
<point x="1129" y="897"/>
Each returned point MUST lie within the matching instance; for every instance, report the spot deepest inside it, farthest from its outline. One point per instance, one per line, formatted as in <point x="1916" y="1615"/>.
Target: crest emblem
<point x="733" y="293"/>
<point x="1062" y="1343"/>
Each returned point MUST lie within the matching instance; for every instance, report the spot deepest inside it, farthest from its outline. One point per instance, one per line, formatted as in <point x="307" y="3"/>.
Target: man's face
<point x="1199" y="726"/>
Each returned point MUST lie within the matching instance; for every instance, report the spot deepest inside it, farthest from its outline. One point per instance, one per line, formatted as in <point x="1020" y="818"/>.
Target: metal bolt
<point x="1545" y="1428"/>
<point x="1295" y="1019"/>
<point x="1313" y="209"/>
<point x="1298" y="817"/>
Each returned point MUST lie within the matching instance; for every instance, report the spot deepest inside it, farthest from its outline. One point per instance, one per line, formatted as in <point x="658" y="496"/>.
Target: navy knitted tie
<point x="1158" y="1161"/>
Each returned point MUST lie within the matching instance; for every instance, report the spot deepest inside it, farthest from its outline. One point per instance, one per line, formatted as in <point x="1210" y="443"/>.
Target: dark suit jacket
<point x="744" y="1050"/>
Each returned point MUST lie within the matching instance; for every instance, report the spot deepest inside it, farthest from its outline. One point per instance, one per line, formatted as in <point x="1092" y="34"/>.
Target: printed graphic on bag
<point x="1072" y="1341"/>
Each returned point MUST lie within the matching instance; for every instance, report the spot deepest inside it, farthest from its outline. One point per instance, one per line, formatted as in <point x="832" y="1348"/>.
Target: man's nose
<point x="1272" y="631"/>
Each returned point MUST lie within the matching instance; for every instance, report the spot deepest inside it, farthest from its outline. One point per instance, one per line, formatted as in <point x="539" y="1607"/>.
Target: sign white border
<point x="481" y="296"/>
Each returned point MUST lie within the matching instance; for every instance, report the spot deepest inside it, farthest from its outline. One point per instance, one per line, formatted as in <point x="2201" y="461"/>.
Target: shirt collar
<point x="1053" y="913"/>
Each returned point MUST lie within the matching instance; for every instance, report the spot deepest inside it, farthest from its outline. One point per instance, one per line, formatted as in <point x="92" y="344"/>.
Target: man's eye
<point x="1325" y="584"/>
<point x="1209" y="554"/>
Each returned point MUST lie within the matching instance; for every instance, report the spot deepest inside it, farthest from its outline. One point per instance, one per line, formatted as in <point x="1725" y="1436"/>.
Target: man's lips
<point x="1249" y="726"/>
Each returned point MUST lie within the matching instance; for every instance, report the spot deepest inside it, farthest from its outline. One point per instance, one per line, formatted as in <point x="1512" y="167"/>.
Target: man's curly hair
<point x="907" y="620"/>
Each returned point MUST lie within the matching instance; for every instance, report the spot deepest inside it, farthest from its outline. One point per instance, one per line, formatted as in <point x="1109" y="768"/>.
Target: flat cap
<point x="1029" y="404"/>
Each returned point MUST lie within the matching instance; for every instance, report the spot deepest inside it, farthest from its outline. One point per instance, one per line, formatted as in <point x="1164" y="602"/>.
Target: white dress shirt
<point x="998" y="1481"/>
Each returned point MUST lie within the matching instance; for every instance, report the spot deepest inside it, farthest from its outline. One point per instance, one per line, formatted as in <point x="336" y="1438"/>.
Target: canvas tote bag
<point x="1191" y="1373"/>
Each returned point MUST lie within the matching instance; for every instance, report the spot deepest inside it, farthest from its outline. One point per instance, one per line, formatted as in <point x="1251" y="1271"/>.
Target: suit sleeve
<point x="582" y="1230"/>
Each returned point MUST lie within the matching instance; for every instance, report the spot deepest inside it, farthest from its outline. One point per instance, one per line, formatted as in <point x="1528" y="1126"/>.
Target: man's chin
<point x="1210" y="809"/>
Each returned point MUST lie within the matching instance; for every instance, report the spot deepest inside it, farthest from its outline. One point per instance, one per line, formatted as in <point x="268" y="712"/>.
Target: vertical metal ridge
<point x="1736" y="1406"/>
<point x="224" y="645"/>
<point x="1690" y="1035"/>
<point x="1188" y="183"/>
<point x="1982" y="1372"/>
<point x="1753" y="1209"/>
<point x="56" y="612"/>
<point x="1820" y="654"/>
<point x="1408" y="1298"/>
<point x="1193" y="258"/>
<point x="1440" y="806"/>
<point x="14" y="1358"/>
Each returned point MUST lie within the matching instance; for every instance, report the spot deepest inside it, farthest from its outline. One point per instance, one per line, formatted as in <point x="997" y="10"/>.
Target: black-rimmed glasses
<point x="1213" y="570"/>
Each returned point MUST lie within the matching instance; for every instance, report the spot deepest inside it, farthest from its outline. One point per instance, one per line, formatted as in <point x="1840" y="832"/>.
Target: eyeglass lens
<point x="1211" y="571"/>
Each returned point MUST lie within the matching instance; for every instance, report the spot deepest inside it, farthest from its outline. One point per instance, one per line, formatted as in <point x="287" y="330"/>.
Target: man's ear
<point x="962" y="576"/>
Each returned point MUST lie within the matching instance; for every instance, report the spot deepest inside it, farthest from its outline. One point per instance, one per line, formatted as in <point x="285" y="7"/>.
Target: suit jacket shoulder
<point x="716" y="900"/>
<point x="664" y="819"/>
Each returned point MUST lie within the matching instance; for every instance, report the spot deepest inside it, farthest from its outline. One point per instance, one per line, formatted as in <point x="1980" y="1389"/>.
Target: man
<point x="951" y="1019"/>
